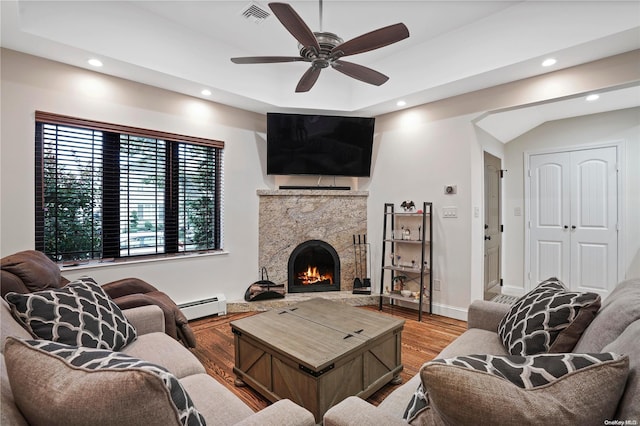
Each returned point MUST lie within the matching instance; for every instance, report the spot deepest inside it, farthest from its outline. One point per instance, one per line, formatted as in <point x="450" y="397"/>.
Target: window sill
<point x="90" y="264"/>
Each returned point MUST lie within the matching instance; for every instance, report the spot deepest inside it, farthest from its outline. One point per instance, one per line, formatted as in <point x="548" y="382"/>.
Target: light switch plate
<point x="450" y="212"/>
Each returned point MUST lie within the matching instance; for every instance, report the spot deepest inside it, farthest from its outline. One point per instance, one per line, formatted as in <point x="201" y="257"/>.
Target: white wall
<point x="414" y="160"/>
<point x="416" y="153"/>
<point x="618" y="126"/>
<point x="30" y="84"/>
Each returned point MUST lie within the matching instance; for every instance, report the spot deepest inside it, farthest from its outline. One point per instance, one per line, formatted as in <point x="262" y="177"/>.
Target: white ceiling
<point x="454" y="47"/>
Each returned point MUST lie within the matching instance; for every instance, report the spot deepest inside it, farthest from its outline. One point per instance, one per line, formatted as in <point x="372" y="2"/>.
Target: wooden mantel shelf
<point x="310" y="192"/>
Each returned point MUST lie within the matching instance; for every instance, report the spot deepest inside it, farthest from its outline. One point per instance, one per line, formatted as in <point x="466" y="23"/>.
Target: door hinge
<point x="502" y="172"/>
<point x="501" y="282"/>
<point x="501" y="228"/>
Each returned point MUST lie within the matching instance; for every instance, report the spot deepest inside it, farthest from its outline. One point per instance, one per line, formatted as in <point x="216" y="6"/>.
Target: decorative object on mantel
<point x="264" y="289"/>
<point x="408" y="205"/>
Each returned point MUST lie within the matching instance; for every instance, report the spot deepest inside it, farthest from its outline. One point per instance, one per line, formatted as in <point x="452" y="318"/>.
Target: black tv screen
<point x="300" y="144"/>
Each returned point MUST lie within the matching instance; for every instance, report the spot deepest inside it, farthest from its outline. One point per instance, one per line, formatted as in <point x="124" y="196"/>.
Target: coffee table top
<point x="317" y="332"/>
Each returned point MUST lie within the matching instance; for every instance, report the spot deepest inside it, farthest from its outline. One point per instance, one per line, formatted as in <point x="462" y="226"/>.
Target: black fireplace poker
<point x="361" y="253"/>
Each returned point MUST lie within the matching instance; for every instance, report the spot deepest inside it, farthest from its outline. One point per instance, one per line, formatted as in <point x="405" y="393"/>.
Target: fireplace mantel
<point x="288" y="217"/>
<point x="311" y="193"/>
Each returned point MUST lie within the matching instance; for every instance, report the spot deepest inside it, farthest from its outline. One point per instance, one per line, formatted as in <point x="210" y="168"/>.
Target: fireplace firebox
<point x="314" y="266"/>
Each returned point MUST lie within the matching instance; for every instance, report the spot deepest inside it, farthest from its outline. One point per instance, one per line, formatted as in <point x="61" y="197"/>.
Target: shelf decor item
<point x="406" y="276"/>
<point x="408" y="205"/>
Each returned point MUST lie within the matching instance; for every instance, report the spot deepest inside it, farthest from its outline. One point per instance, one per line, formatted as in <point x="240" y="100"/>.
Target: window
<point x="110" y="191"/>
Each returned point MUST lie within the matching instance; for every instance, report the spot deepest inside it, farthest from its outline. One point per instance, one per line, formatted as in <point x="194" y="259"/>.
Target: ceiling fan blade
<point x="308" y="79"/>
<point x="372" y="40"/>
<point x="360" y="72"/>
<point x="267" y="59"/>
<point x="295" y="25"/>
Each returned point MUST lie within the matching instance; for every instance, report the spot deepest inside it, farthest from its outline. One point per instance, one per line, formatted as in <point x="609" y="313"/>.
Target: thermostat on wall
<point x="450" y="189"/>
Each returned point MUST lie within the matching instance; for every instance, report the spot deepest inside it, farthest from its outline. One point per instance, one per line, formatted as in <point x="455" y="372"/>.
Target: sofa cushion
<point x="619" y="309"/>
<point x="547" y="319"/>
<point x="628" y="342"/>
<point x="79" y="314"/>
<point x="60" y="384"/>
<point x="161" y="349"/>
<point x="539" y="389"/>
<point x="9" y="326"/>
<point x="209" y="395"/>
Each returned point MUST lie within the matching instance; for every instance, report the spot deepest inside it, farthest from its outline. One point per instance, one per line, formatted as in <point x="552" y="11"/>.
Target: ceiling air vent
<point x="255" y="12"/>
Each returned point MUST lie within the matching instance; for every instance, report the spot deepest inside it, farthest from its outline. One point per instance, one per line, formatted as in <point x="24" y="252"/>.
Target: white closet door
<point x="550" y="217"/>
<point x="573" y="212"/>
<point x="594" y="218"/>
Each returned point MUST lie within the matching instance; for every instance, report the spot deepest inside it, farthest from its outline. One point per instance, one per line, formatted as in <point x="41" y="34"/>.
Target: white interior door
<point x="594" y="219"/>
<point x="550" y="217"/>
<point x="573" y="219"/>
<point x="492" y="234"/>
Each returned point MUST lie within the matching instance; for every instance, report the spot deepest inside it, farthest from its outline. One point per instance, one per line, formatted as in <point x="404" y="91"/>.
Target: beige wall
<point x="30" y="83"/>
<point x="416" y="153"/>
<point x="621" y="127"/>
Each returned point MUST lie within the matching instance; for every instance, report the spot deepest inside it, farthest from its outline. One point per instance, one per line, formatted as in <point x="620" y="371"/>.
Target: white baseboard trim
<point x="513" y="291"/>
<point x="450" y="311"/>
<point x="439" y="309"/>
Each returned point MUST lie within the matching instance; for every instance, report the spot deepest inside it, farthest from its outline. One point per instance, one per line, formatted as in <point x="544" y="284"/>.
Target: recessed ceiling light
<point x="593" y="97"/>
<point x="548" y="62"/>
<point x="401" y="103"/>
<point x="95" y="62"/>
<point x="206" y="92"/>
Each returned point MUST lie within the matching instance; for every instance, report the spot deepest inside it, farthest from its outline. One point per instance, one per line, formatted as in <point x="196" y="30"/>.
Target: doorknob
<point x="573" y="227"/>
<point x="487" y="237"/>
<point x="566" y="227"/>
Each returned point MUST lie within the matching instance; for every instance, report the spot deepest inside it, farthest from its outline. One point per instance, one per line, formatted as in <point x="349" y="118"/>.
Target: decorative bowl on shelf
<point x="406" y="293"/>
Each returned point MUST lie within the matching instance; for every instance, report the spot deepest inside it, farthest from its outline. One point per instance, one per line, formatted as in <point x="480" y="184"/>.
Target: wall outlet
<point x="436" y="285"/>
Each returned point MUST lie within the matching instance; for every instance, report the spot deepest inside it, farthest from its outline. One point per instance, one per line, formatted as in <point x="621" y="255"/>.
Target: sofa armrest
<point x="282" y="413"/>
<point x="486" y="315"/>
<point x="354" y="411"/>
<point x="146" y="319"/>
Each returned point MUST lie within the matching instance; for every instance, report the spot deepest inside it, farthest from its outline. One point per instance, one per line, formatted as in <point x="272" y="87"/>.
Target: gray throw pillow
<point x="539" y="389"/>
<point x="78" y="314"/>
<point x="549" y="318"/>
<point x="58" y="384"/>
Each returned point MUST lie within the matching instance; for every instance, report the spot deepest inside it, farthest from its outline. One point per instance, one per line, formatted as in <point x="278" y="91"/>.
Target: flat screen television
<point x="302" y="144"/>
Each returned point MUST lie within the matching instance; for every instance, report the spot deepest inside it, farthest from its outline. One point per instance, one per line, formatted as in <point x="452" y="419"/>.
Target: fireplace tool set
<point x="362" y="283"/>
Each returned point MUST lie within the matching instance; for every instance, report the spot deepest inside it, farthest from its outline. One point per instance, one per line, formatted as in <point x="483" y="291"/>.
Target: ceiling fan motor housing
<point x="327" y="42"/>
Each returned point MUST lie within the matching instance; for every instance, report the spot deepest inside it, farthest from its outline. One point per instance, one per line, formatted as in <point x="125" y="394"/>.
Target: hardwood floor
<point x="421" y="342"/>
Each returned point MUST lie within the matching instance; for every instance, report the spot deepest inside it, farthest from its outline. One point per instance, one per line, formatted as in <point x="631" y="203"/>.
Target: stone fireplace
<point x="306" y="224"/>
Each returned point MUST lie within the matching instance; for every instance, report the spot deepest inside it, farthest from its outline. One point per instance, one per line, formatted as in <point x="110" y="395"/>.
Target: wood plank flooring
<point x="421" y="342"/>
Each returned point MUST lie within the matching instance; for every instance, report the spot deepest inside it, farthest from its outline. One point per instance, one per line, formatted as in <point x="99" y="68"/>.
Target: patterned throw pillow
<point x="78" y="314"/>
<point x="54" y="383"/>
<point x="559" y="388"/>
<point x="547" y="319"/>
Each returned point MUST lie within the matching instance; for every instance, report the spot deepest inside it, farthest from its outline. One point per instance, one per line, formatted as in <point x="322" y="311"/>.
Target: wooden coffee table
<point x="317" y="353"/>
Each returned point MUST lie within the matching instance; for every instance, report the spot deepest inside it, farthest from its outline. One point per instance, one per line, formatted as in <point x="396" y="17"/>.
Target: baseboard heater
<point x="203" y="308"/>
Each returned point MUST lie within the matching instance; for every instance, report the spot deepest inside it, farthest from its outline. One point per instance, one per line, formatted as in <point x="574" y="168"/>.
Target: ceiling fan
<point x="324" y="49"/>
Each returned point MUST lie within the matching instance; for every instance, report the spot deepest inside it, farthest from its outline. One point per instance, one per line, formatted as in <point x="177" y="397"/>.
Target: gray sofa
<point x="615" y="328"/>
<point x="217" y="405"/>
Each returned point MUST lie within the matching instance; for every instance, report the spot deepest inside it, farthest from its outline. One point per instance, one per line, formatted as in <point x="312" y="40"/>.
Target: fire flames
<point x="313" y="276"/>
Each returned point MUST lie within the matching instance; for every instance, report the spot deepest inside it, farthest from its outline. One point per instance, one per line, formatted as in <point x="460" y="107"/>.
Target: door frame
<point x="620" y="160"/>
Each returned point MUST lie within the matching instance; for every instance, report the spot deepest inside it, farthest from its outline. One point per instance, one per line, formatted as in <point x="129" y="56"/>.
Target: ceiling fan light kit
<point x="324" y="49"/>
